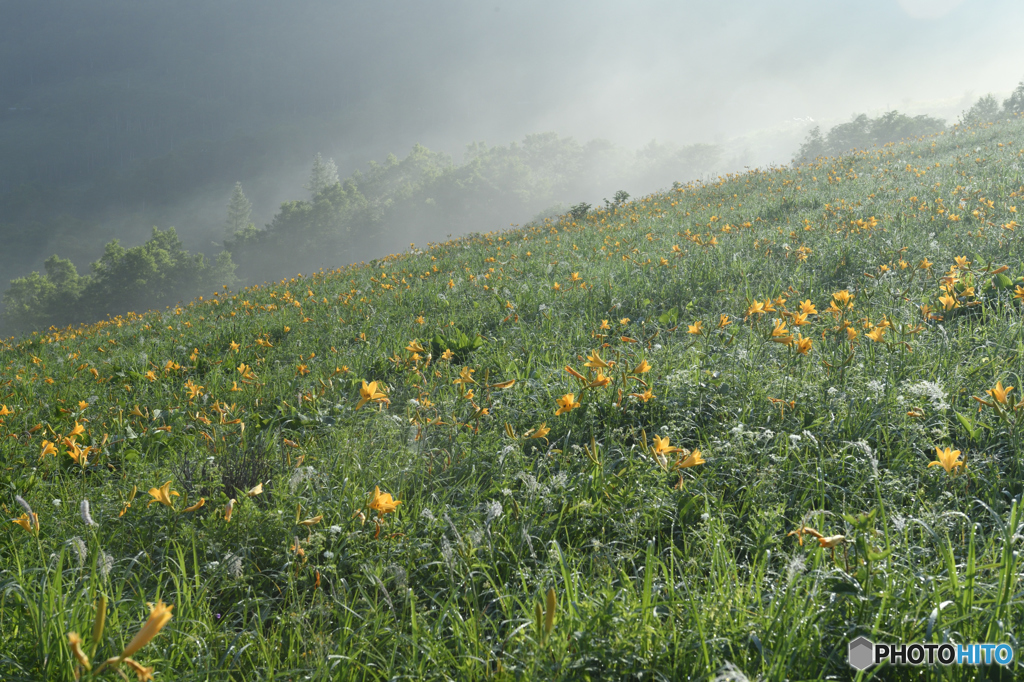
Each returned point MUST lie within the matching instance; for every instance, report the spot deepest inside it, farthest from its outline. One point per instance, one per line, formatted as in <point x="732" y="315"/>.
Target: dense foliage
<point x="425" y="196"/>
<point x="152" y="275"/>
<point x="863" y="131"/>
<point x="720" y="430"/>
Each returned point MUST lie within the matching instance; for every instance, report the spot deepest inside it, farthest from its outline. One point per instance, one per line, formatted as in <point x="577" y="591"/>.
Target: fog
<point x="116" y="115"/>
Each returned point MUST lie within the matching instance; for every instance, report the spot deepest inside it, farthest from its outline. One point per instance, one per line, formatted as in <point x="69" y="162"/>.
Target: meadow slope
<point x="682" y="436"/>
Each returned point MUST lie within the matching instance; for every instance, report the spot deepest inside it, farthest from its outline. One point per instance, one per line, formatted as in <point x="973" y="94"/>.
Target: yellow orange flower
<point x="565" y="403"/>
<point x="27" y="522"/>
<point x="540" y="432"/>
<point x="197" y="505"/>
<point x="948" y="459"/>
<point x="844" y="298"/>
<point x="876" y="334"/>
<point x="807" y="308"/>
<point x="949" y="302"/>
<point x="645" y="396"/>
<point x="194" y="390"/>
<point x="662" y="447"/>
<point x="163" y="495"/>
<point x="75" y="642"/>
<point x="695" y="328"/>
<point x="831" y="541"/>
<point x="574" y="373"/>
<point x="383" y="503"/>
<point x="159" y="616"/>
<point x="999" y="393"/>
<point x="642" y="368"/>
<point x="80" y="455"/>
<point x="691" y="459"/>
<point x="465" y="376"/>
<point x="723" y="321"/>
<point x="77" y="431"/>
<point x="802" y="531"/>
<point x="594" y="361"/>
<point x="368" y="393"/>
<point x="48" y="448"/>
<point x="142" y="673"/>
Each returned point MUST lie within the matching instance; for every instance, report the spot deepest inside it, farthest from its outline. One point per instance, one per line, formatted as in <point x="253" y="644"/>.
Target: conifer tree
<point x="239" y="213"/>
<point x="1014" y="104"/>
<point x="323" y="175"/>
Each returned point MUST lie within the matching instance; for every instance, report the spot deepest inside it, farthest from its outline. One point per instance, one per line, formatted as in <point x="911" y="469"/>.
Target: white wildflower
<point x="83" y="510"/>
<point x="105" y="564"/>
<point x="493" y="510"/>
<point x="77" y="545"/>
<point x="233" y="565"/>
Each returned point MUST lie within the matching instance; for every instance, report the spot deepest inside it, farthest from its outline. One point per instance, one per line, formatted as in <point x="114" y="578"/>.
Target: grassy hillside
<point x="609" y="437"/>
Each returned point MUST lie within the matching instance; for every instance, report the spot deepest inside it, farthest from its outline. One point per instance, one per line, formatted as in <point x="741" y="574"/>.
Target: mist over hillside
<point x="119" y="116"/>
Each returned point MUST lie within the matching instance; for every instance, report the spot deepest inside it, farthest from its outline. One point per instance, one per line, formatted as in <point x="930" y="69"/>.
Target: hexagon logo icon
<point x="861" y="653"/>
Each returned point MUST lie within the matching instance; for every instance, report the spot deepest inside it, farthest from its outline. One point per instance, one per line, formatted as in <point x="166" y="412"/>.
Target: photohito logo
<point x="863" y="653"/>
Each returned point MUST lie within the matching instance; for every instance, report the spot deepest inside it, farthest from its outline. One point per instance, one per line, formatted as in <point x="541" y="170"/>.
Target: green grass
<point x="658" y="572"/>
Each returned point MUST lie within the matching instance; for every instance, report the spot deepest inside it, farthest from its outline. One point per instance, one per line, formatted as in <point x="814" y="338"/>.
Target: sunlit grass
<point x="711" y="430"/>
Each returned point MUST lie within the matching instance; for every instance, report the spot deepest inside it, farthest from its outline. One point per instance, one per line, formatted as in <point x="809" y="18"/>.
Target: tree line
<point x="863" y="131"/>
<point x="425" y="196"/>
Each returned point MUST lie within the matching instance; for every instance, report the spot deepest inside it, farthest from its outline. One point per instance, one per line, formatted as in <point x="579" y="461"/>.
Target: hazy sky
<point x="163" y="105"/>
<point x="448" y="72"/>
<point x="690" y="71"/>
<point x="90" y="86"/>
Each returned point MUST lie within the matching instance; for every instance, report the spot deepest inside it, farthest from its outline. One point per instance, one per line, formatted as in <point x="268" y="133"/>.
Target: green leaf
<point x="973" y="430"/>
<point x="878" y="556"/>
<point x="863" y="521"/>
<point x="844" y="587"/>
<point x="669" y="317"/>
